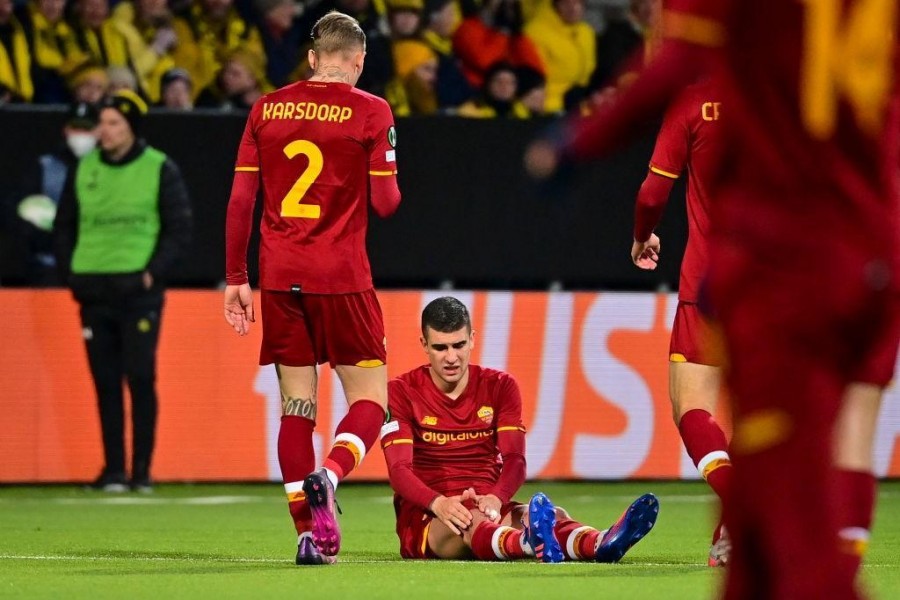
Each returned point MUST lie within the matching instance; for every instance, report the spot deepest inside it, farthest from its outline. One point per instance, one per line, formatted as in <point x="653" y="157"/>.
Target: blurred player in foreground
<point x="691" y="139"/>
<point x="805" y="261"/>
<point x="322" y="151"/>
<point x="449" y="423"/>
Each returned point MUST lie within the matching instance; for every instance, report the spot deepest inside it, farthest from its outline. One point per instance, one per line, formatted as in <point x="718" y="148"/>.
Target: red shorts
<point x="694" y="339"/>
<point x="413" y="524"/>
<point x="302" y="330"/>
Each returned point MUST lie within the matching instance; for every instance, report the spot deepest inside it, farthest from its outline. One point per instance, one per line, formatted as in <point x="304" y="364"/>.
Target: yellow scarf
<point x="53" y="42"/>
<point x="107" y="47"/>
<point x="17" y="79"/>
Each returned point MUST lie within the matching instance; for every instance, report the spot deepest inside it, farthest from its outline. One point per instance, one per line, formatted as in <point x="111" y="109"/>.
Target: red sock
<point x="297" y="458"/>
<point x="577" y="541"/>
<point x="355" y="435"/>
<point x="497" y="542"/>
<point x="856" y="503"/>
<point x="706" y="444"/>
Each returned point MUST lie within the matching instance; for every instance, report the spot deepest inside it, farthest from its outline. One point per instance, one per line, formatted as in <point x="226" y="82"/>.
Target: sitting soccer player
<point x="449" y="423"/>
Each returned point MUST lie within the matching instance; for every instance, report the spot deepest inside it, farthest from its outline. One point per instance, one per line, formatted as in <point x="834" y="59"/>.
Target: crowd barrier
<point x="592" y="368"/>
<point x="462" y="182"/>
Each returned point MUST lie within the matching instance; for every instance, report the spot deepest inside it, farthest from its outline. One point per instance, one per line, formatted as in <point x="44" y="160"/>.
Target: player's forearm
<point x="651" y="202"/>
<point x="512" y="450"/>
<point x="385" y="194"/>
<point x="512" y="476"/>
<point x="677" y="64"/>
<point x="238" y="224"/>
<point x="412" y="489"/>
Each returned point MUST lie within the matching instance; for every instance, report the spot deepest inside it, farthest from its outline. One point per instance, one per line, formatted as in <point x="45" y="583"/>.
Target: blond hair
<point x="337" y="32"/>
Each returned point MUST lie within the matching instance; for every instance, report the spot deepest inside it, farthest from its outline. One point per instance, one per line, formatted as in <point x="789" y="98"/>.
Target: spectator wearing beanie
<point x="413" y="90"/>
<point x="88" y="82"/>
<point x="176" y="90"/>
<point x="122" y="79"/>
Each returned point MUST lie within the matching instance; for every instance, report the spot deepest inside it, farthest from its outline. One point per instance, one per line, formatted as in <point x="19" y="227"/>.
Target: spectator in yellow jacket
<point x="116" y="42"/>
<point x="15" y="58"/>
<point x="53" y="49"/>
<point x="567" y="46"/>
<point x="210" y="31"/>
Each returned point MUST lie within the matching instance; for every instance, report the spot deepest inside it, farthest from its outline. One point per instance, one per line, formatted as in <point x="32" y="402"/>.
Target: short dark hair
<point x="445" y="314"/>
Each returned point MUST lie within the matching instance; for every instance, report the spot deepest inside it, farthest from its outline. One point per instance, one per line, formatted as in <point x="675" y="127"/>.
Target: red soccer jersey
<point x="315" y="146"/>
<point x="807" y="86"/>
<point x="454" y="442"/>
<point x="691" y="137"/>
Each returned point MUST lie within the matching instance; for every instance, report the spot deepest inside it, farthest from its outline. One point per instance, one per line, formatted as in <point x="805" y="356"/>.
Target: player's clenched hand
<point x="646" y="254"/>
<point x="451" y="512"/>
<point x="239" y="307"/>
<point x="490" y="505"/>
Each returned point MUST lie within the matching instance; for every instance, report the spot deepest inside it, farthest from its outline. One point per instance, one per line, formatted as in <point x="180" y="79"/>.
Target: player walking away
<point x="804" y="296"/>
<point x="321" y="150"/>
<point x="691" y="138"/>
<point x="453" y="496"/>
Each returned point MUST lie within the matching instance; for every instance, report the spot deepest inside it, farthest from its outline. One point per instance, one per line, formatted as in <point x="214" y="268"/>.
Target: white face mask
<point x="81" y="143"/>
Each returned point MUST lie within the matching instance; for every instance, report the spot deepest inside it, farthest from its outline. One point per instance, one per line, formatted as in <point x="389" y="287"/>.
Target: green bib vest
<point x="118" y="213"/>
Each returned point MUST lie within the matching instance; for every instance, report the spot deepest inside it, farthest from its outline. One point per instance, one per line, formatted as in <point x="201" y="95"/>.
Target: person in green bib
<point x="123" y="220"/>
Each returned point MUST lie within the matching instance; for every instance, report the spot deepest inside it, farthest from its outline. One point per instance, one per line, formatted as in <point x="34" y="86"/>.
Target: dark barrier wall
<point x="469" y="215"/>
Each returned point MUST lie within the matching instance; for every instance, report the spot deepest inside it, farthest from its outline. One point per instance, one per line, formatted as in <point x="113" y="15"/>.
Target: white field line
<point x="354" y="561"/>
<point x="130" y="500"/>
<point x="250" y="560"/>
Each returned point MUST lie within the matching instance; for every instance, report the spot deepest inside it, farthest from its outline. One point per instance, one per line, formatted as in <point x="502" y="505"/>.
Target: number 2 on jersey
<point x="292" y="204"/>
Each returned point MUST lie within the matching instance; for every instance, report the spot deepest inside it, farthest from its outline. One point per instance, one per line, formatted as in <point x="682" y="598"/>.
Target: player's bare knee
<point x="561" y="513"/>
<point x="364" y="383"/>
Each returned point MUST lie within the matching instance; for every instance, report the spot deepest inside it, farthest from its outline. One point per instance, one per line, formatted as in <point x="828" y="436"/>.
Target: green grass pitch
<point x="236" y="541"/>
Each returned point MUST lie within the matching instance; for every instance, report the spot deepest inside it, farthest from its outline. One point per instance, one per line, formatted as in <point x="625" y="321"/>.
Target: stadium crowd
<point x="472" y="58"/>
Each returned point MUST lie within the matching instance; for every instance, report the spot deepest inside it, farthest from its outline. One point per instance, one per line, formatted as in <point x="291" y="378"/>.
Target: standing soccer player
<point x="691" y="138"/>
<point x="455" y="450"/>
<point x="322" y="150"/>
<point x="805" y="269"/>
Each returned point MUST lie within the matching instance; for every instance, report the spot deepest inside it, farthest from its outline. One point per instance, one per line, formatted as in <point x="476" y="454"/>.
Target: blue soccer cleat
<point x="636" y="522"/>
<point x="541" y="521"/>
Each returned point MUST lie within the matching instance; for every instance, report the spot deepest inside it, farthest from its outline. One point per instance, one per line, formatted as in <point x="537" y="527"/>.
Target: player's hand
<point x="646" y="254"/>
<point x="490" y="505"/>
<point x="541" y="160"/>
<point x="239" y="307"/>
<point x="451" y="512"/>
